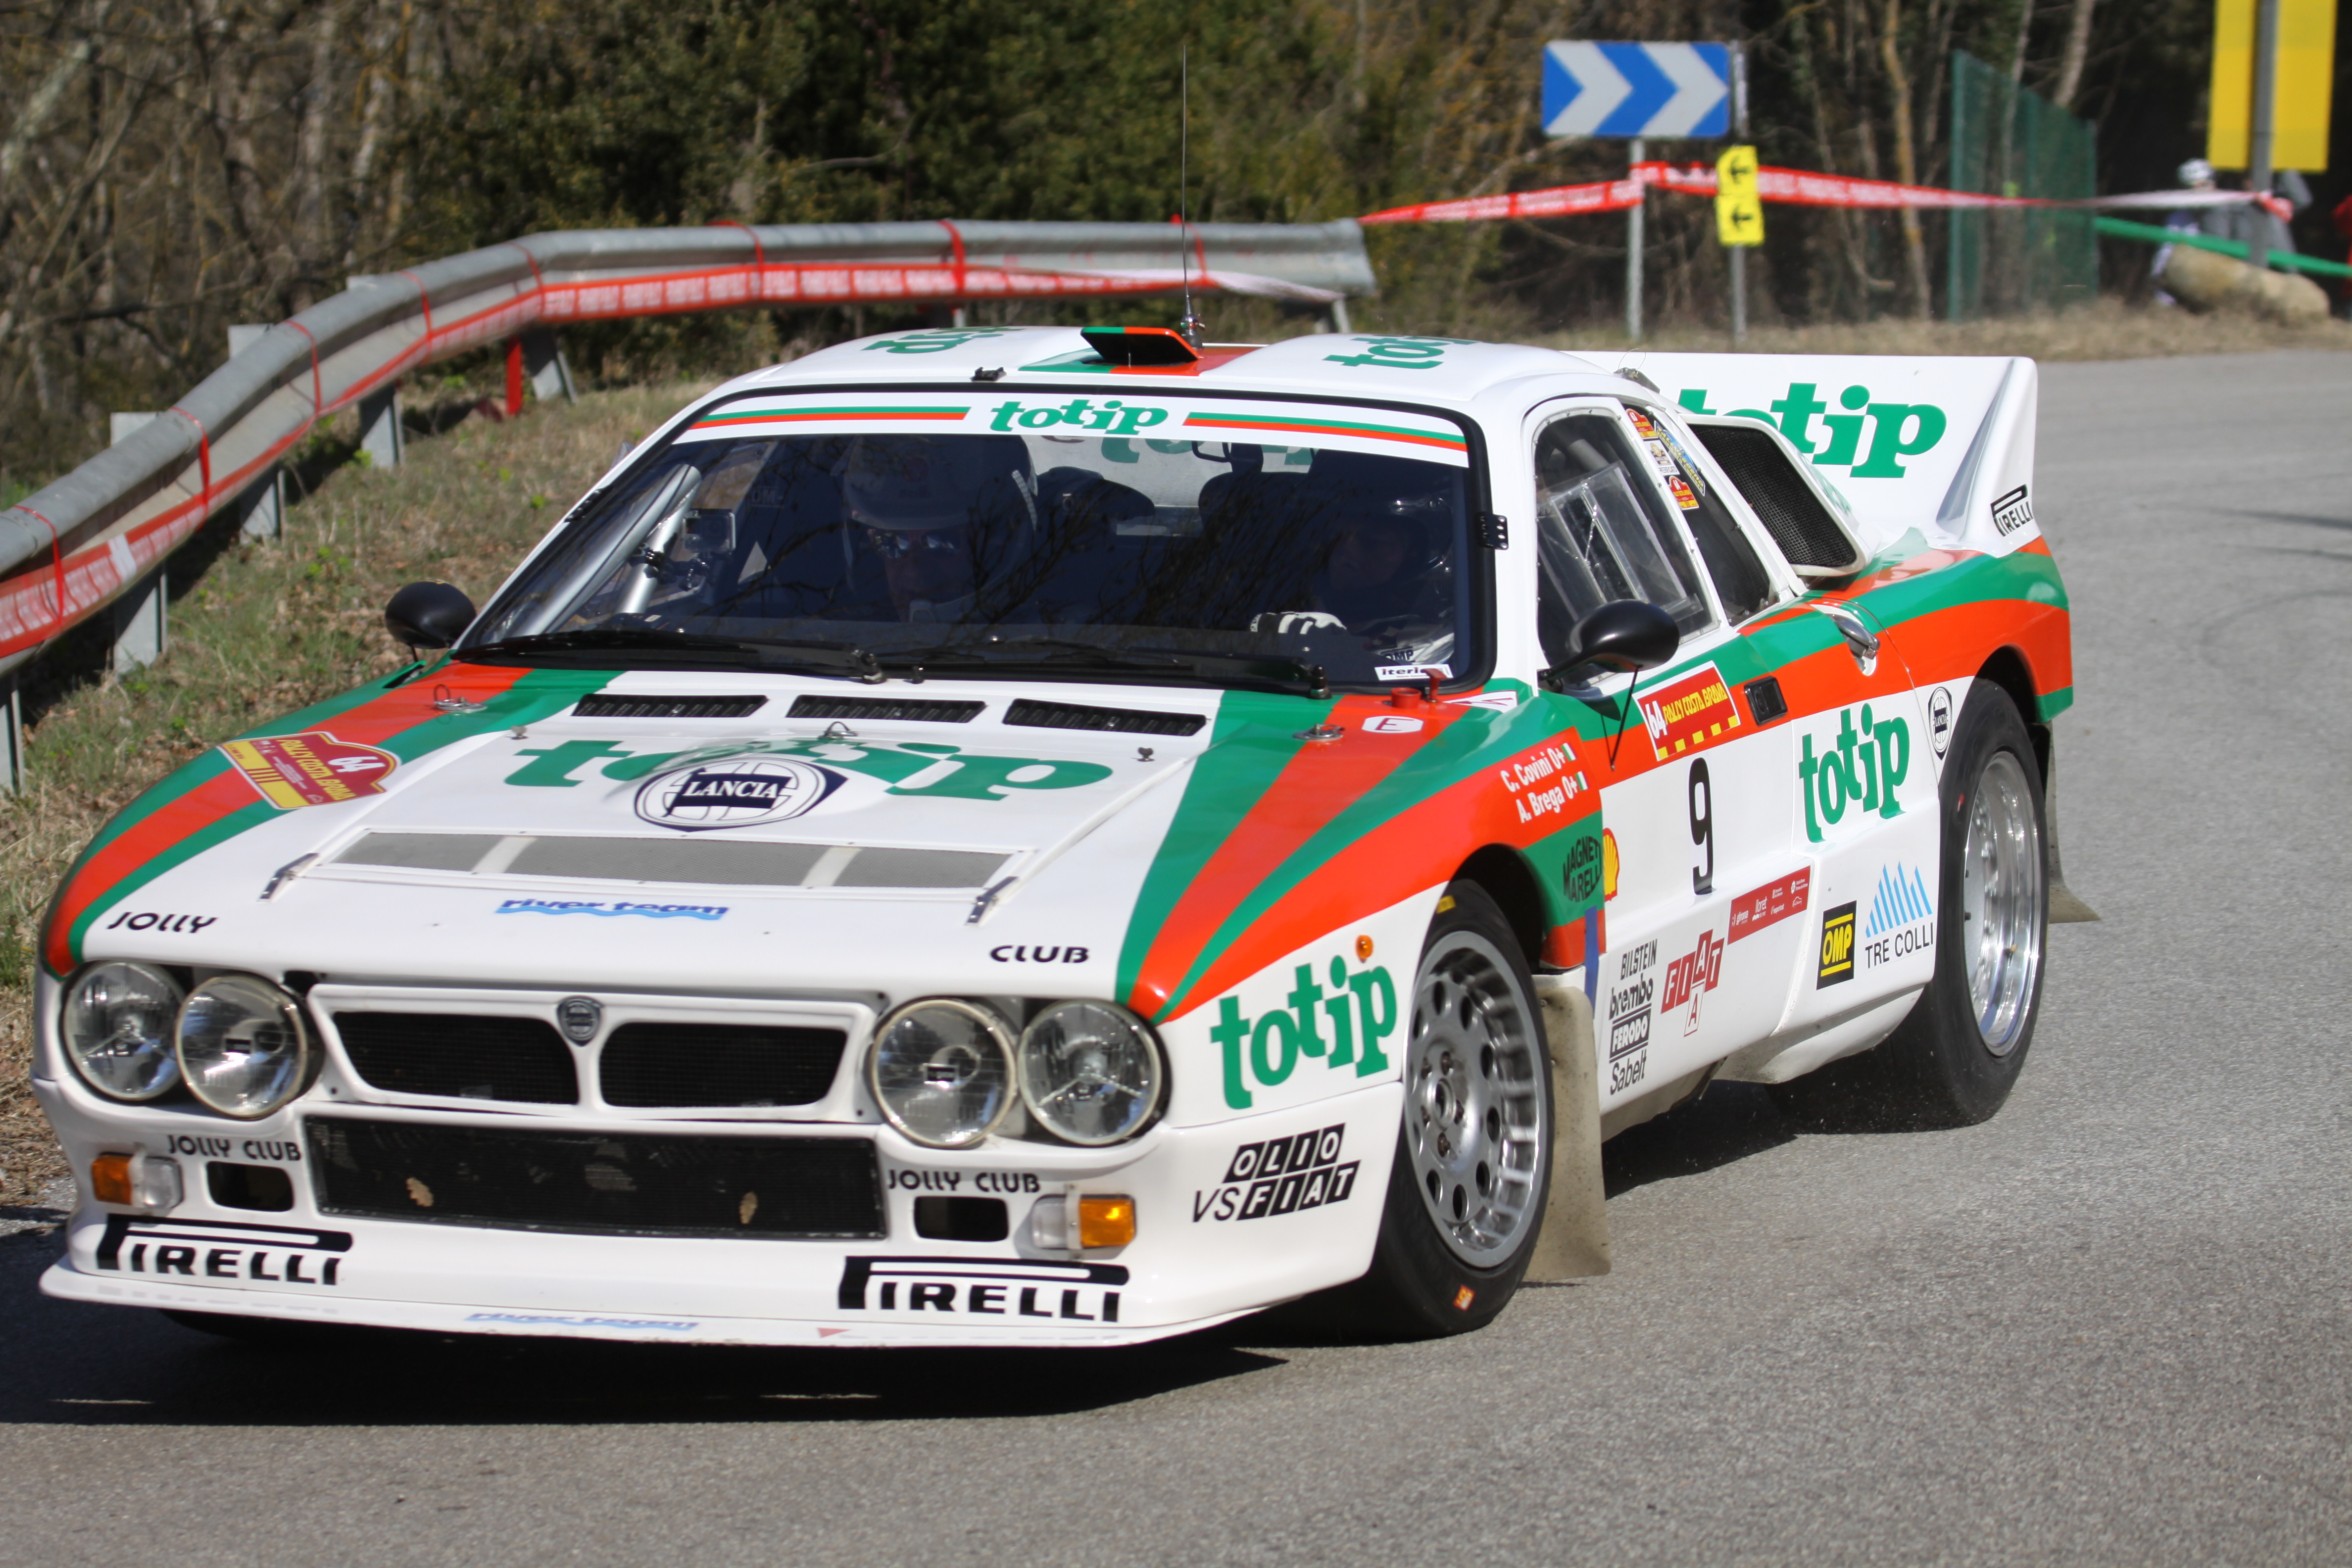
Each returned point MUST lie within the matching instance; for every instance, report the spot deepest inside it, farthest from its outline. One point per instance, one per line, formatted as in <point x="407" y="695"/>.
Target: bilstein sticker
<point x="312" y="768"/>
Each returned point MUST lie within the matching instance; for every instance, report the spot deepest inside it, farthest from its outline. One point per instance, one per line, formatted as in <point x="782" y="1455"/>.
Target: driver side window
<point x="1602" y="534"/>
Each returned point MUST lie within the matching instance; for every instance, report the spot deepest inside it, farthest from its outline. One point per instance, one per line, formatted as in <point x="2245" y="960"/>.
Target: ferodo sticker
<point x="1693" y="711"/>
<point x="312" y="768"/>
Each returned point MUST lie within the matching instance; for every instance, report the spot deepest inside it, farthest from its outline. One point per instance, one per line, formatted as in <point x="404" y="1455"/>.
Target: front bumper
<point x="1223" y="1228"/>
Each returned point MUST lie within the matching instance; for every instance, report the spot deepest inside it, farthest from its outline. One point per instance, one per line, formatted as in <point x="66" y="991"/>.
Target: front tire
<point x="1953" y="1061"/>
<point x="1472" y="1169"/>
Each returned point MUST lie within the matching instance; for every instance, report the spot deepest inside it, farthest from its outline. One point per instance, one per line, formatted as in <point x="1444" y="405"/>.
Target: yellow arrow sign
<point x="1738" y="211"/>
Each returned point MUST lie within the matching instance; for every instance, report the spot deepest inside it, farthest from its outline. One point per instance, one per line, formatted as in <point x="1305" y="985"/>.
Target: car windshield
<point x="956" y="530"/>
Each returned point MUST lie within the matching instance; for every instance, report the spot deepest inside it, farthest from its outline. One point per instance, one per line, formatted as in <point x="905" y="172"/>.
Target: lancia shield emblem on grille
<point x="737" y="793"/>
<point x="578" y="1018"/>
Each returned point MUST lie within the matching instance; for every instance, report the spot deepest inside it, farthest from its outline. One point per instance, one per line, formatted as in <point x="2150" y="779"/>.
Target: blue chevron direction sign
<point x="1636" y="89"/>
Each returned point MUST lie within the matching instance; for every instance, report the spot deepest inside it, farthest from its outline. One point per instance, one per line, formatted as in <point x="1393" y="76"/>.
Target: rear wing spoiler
<point x="1940" y="443"/>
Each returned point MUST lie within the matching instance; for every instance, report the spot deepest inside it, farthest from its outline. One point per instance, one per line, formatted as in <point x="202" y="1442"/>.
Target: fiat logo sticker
<point x="740" y="791"/>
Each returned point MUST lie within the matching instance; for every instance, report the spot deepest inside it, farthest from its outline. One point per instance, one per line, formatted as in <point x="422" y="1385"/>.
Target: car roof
<point x="1345" y="365"/>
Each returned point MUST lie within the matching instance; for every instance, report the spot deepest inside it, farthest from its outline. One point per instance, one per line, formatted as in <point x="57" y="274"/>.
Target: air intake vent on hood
<point x="944" y="712"/>
<point x="607" y="705"/>
<point x="1071" y="716"/>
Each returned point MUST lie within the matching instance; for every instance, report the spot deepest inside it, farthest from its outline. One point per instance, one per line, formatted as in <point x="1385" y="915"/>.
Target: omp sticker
<point x="1693" y="711"/>
<point x="1837" y="965"/>
<point x="1771" y="904"/>
<point x="312" y="768"/>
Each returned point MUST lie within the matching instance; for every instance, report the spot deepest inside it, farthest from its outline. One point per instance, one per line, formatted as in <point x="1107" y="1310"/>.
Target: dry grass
<point x="2106" y="329"/>
<point x="268" y="628"/>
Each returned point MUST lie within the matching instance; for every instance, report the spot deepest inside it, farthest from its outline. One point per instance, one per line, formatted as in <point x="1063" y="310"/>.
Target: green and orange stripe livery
<point x="1308" y="425"/>
<point x="806" y="416"/>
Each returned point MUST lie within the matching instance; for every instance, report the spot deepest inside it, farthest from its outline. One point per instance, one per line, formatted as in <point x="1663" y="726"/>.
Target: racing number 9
<point x="1702" y="820"/>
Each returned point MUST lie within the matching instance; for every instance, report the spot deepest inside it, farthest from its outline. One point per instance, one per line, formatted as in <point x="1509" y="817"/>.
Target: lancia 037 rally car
<point x="1037" y="836"/>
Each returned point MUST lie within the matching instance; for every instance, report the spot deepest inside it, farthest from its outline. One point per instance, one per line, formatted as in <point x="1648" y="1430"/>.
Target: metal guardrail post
<point x="140" y="614"/>
<point x="12" y="734"/>
<point x="544" y="366"/>
<point x="261" y="509"/>
<point x="380" y="437"/>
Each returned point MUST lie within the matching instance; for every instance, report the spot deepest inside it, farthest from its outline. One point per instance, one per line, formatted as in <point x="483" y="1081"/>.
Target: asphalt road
<point x="2110" y="1326"/>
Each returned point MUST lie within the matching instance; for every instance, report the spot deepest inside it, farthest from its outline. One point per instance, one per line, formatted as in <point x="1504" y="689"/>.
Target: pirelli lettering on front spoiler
<point x="214" y="1252"/>
<point x="968" y="1287"/>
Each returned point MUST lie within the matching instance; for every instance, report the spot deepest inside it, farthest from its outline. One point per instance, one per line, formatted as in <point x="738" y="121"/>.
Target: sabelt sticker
<point x="312" y="768"/>
<point x="2012" y="511"/>
<point x="1692" y="712"/>
<point x="1836" y="964"/>
<point x="1680" y="489"/>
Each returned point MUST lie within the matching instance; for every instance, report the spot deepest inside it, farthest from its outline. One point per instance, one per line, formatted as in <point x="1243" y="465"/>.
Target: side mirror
<point x="426" y="615"/>
<point x="1623" y="635"/>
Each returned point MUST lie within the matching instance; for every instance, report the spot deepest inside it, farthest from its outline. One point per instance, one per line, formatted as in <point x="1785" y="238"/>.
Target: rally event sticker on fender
<point x="1689" y="713"/>
<point x="312" y="768"/>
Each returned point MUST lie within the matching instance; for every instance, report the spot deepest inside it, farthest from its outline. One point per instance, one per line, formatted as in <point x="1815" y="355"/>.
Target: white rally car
<point x="1031" y="837"/>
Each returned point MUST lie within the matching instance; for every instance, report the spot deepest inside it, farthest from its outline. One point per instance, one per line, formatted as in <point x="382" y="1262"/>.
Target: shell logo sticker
<point x="1608" y="864"/>
<point x="312" y="768"/>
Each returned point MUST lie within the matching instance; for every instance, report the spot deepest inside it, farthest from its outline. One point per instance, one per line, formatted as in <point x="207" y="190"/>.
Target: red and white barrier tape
<point x="1795" y="187"/>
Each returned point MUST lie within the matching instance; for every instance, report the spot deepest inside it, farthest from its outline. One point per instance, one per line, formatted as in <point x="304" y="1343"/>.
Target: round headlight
<point x="942" y="1071"/>
<point x="118" y="1030"/>
<point x="243" y="1048"/>
<point x="1090" y="1072"/>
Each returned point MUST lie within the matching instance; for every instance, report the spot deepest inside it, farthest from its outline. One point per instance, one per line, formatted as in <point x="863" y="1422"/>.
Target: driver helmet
<point x="904" y="484"/>
<point x="2196" y="175"/>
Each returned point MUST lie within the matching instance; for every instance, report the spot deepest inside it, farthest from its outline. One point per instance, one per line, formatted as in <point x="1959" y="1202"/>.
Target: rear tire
<point x="1473" y="1169"/>
<point x="1953" y="1061"/>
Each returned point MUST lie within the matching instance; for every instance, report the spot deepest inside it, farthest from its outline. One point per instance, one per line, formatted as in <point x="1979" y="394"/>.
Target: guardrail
<point x="99" y="536"/>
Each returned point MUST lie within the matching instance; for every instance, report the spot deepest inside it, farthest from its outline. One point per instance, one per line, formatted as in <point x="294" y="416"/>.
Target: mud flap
<point x="1574" y="1242"/>
<point x="2064" y="906"/>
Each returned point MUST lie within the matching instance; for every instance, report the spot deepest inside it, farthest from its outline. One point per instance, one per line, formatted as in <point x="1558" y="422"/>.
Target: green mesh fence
<point x="2008" y="140"/>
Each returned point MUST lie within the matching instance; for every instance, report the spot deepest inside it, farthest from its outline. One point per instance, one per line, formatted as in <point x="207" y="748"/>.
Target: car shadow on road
<point x="73" y="1363"/>
<point x="1728" y="1123"/>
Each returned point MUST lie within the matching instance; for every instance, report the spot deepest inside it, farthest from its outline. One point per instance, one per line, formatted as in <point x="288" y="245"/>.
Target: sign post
<point x="2273" y="74"/>
<point x="1739" y="210"/>
<point x="1636" y="91"/>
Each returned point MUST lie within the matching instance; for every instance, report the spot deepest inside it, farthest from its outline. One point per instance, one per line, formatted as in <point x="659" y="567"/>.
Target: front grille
<point x="1078" y="716"/>
<point x="609" y="1182"/>
<point x="939" y="710"/>
<point x="460" y="1057"/>
<point x="606" y="705"/>
<point x="700" y="1065"/>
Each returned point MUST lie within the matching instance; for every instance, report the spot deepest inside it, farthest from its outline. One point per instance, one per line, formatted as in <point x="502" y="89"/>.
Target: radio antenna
<point x="1190" y="326"/>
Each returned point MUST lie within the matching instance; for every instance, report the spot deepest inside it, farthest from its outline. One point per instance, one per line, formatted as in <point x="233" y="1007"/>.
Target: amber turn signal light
<point x="1106" y="1220"/>
<point x="109" y="1179"/>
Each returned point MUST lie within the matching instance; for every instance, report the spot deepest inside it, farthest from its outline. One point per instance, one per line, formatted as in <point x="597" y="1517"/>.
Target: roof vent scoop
<point x="1140" y="345"/>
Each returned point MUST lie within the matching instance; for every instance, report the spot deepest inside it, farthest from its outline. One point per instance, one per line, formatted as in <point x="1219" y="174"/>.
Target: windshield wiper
<point x="632" y="645"/>
<point x="1069" y="658"/>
